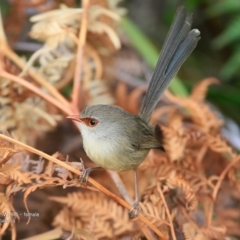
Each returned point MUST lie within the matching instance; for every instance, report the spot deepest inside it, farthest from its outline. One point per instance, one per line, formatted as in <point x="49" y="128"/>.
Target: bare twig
<point x="168" y="213"/>
<point x="79" y="57"/>
<point x="38" y="91"/>
<point x="217" y="187"/>
<point x="222" y="176"/>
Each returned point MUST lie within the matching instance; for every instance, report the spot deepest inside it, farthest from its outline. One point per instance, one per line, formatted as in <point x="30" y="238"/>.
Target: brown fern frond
<point x="56" y="67"/>
<point x="8" y="213"/>
<point x="10" y="172"/>
<point x="199" y="91"/>
<point x="202" y="116"/>
<point x="110" y="218"/>
<point x="233" y="176"/>
<point x="133" y="99"/>
<point x="66" y="221"/>
<point x="154" y="214"/>
<point x="60" y="28"/>
<point x="214" y="232"/>
<point x="176" y="121"/>
<point x="130" y="101"/>
<point x="218" y="144"/>
<point x="174" y="182"/>
<point x="191" y="232"/>
<point x="154" y="159"/>
<point x="7" y="150"/>
<point x="174" y="143"/>
<point x="229" y="219"/>
<point x="98" y="93"/>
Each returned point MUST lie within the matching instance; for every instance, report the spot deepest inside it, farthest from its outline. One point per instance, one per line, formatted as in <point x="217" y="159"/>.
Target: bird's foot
<point x="135" y="210"/>
<point x="85" y="174"/>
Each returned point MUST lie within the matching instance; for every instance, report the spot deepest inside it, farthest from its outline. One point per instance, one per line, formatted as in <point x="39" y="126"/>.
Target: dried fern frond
<point x="98" y="93"/>
<point x="129" y="101"/>
<point x="154" y="212"/>
<point x="153" y="208"/>
<point x="199" y="91"/>
<point x="100" y="27"/>
<point x="7" y="150"/>
<point x="59" y="25"/>
<point x="190" y="232"/>
<point x="10" y="172"/>
<point x="174" y="182"/>
<point x="54" y="64"/>
<point x="8" y="214"/>
<point x="24" y="116"/>
<point x="218" y="144"/>
<point x="200" y="112"/>
<point x="174" y="143"/>
<point x="56" y="26"/>
<point x="214" y="232"/>
<point x="21" y="110"/>
<point x="59" y="29"/>
<point x="81" y="210"/>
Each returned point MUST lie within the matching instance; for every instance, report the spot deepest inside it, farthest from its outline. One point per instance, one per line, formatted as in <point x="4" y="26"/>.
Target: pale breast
<point x="110" y="149"/>
<point x="113" y="155"/>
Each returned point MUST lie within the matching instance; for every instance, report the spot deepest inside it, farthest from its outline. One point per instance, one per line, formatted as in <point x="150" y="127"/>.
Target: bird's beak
<point x="75" y="118"/>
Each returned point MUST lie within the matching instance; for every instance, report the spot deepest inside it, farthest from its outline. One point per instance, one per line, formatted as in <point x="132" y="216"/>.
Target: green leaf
<point x="232" y="66"/>
<point x="225" y="94"/>
<point x="223" y="7"/>
<point x="191" y="5"/>
<point x="230" y="35"/>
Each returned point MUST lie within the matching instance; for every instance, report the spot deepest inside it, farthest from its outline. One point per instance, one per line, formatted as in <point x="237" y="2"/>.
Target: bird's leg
<point x="135" y="210"/>
<point x="85" y="172"/>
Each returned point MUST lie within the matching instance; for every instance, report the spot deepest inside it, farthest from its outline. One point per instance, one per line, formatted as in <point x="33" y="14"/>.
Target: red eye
<point x="90" y="122"/>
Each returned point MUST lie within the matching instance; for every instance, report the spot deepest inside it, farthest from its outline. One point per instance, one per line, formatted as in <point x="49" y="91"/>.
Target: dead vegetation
<point x="191" y="192"/>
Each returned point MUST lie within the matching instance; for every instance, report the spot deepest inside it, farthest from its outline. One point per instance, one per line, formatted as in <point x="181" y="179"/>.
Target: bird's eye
<point x="93" y="122"/>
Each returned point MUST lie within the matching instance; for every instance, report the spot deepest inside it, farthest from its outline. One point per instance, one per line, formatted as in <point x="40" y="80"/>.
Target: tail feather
<point x="178" y="45"/>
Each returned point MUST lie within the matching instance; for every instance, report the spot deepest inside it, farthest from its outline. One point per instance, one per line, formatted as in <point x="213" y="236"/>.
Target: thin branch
<point x="93" y="182"/>
<point x="222" y="176"/>
<point x="38" y="91"/>
<point x="79" y="57"/>
<point x="168" y="213"/>
<point x="217" y="187"/>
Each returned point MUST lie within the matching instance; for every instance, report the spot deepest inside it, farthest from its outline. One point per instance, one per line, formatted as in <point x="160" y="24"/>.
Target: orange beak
<point x="75" y="118"/>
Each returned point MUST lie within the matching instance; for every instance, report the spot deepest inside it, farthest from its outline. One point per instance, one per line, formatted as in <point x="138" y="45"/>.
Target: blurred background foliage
<point x="217" y="54"/>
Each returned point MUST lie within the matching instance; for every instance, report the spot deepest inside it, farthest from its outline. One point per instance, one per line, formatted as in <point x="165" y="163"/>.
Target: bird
<point x="117" y="140"/>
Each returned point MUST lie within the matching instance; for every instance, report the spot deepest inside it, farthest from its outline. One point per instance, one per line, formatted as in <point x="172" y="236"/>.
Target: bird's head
<point x="100" y="120"/>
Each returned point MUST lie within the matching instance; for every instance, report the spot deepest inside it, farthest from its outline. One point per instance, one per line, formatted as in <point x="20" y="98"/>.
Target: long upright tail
<point x="178" y="45"/>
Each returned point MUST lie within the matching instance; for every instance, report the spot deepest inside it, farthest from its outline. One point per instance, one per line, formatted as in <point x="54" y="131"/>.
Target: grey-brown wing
<point x="145" y="138"/>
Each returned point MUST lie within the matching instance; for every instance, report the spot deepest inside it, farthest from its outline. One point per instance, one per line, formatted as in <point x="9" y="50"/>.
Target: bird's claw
<point x="134" y="211"/>
<point x="85" y="174"/>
